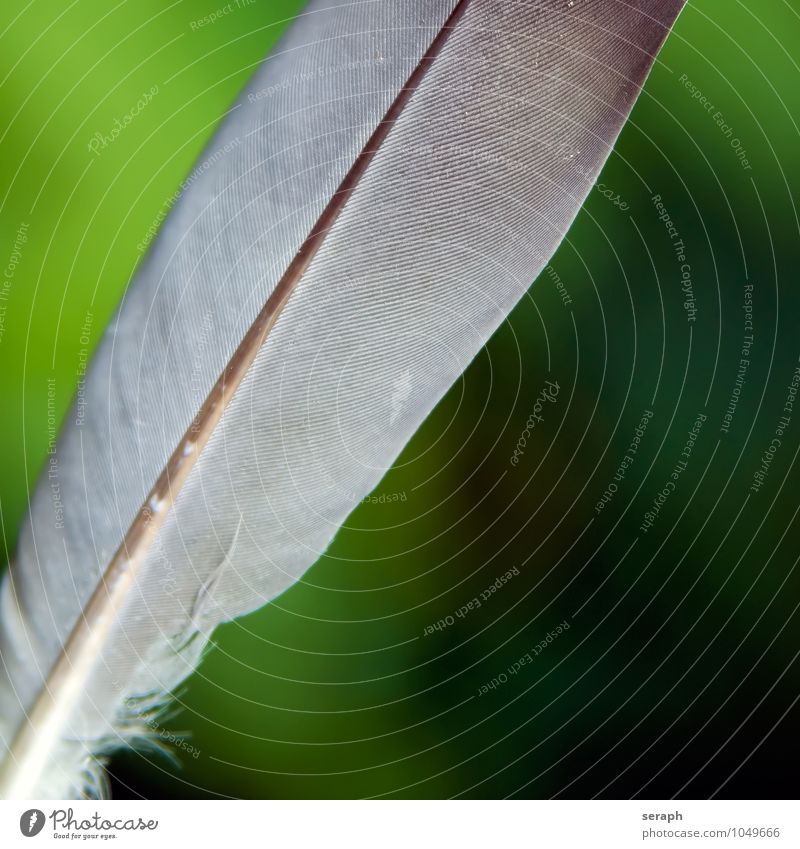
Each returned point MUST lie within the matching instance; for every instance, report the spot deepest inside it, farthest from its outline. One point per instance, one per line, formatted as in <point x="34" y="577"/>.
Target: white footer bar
<point x="403" y="824"/>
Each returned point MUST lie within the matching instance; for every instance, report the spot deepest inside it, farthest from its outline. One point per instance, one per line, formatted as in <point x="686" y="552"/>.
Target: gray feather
<point x="462" y="206"/>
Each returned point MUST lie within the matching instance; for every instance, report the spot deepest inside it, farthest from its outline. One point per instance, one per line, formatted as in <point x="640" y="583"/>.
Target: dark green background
<point x="678" y="674"/>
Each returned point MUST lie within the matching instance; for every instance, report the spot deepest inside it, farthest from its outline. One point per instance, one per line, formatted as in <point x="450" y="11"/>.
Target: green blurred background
<point x="678" y="672"/>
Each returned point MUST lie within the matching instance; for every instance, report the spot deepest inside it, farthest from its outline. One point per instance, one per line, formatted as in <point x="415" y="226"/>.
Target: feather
<point x="344" y="248"/>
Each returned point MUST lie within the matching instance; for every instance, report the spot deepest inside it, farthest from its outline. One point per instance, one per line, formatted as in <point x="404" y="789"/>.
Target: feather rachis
<point x="30" y="749"/>
<point x="428" y="204"/>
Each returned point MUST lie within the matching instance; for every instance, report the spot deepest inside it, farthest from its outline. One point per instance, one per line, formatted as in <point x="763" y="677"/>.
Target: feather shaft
<point x="443" y="173"/>
<point x="28" y="755"/>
